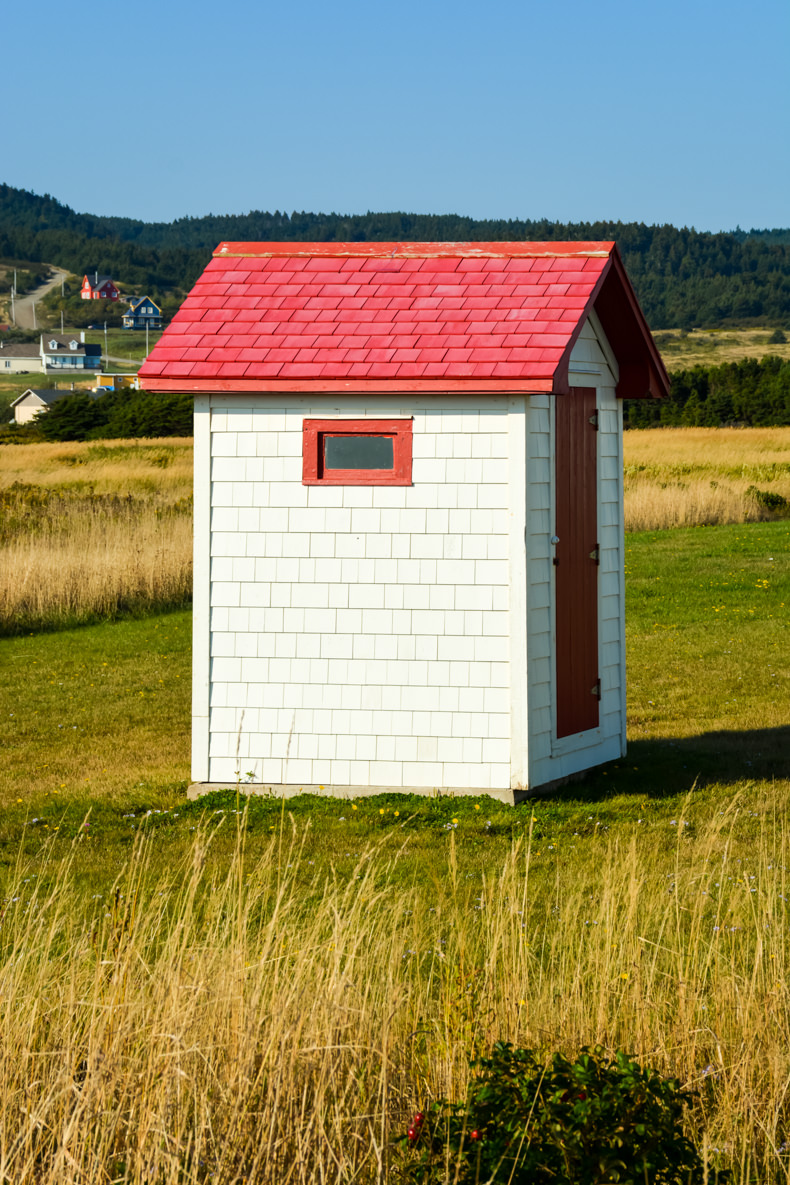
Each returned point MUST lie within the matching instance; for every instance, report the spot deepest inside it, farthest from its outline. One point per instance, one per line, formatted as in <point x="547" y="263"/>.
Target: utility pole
<point x="13" y="310"/>
<point x="35" y="326"/>
<point x="61" y="320"/>
<point x="146" y="338"/>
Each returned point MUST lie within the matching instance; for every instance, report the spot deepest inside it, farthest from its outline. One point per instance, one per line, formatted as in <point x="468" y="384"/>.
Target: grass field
<point x="191" y="994"/>
<point x="703" y="476"/>
<point x="711" y="347"/>
<point x="124" y="343"/>
<point x="113" y="519"/>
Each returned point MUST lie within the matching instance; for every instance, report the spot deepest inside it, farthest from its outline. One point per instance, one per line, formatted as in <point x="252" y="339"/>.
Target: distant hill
<point x="683" y="277"/>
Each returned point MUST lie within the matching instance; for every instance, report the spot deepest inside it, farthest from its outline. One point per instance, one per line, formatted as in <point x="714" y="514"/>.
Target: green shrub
<point x="584" y="1122"/>
<point x="767" y="499"/>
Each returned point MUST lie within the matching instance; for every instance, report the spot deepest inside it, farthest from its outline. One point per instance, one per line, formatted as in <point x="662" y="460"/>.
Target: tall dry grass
<point x="232" y="1021"/>
<point x="93" y="530"/>
<point x="139" y="467"/>
<point x="687" y="477"/>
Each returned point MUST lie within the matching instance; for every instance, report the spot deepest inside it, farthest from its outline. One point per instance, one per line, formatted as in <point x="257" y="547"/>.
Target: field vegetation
<point x="242" y="989"/>
<point x="92" y="531"/>
<point x="28" y="276"/>
<point x="227" y="989"/>
<point x="113" y="519"/>
<point x="704" y="476"/>
<point x="683" y="348"/>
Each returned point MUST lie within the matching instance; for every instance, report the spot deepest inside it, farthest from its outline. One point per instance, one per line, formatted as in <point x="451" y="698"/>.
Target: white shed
<point x="408" y="512"/>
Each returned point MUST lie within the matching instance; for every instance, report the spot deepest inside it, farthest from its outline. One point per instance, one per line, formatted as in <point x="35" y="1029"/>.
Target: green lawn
<point x="123" y="343"/>
<point x="98" y="720"/>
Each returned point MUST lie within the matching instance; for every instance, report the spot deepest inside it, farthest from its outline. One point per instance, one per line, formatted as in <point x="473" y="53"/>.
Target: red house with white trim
<point x="98" y="287"/>
<point x="408" y="511"/>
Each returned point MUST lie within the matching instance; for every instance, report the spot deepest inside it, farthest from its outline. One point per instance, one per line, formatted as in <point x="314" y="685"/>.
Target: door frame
<point x="571" y="742"/>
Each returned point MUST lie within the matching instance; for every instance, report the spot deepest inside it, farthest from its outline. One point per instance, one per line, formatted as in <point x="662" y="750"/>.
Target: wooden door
<point x="576" y="557"/>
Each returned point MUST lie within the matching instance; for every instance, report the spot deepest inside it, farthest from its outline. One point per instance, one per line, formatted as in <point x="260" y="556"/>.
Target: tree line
<point x="683" y="277"/>
<point x="748" y="393"/>
<point x="751" y="393"/>
<point x="112" y="415"/>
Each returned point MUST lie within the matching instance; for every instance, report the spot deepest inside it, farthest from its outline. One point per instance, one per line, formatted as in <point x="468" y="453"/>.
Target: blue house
<point x="143" y="312"/>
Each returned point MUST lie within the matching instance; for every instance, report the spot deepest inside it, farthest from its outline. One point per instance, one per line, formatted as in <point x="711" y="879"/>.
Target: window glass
<point x="358" y="452"/>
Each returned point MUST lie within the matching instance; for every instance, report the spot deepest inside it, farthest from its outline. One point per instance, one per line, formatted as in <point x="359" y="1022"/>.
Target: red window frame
<point x="315" y="431"/>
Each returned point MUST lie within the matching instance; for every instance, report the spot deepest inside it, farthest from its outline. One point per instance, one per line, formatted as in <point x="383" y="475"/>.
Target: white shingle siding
<point x="397" y="636"/>
<point x="376" y="618"/>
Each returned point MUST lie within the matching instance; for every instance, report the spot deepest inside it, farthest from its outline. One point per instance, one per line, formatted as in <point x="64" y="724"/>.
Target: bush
<point x="768" y="499"/>
<point x="584" y="1122"/>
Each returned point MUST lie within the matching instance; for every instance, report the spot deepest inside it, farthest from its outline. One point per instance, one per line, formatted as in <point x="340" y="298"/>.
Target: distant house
<point x="115" y="382"/>
<point x="32" y="402"/>
<point x="20" y="358"/>
<point x="143" y="312"/>
<point x="98" y="287"/>
<point x="68" y="352"/>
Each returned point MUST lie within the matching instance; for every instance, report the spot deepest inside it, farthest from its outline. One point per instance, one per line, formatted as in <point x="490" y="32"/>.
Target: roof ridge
<point x="420" y="250"/>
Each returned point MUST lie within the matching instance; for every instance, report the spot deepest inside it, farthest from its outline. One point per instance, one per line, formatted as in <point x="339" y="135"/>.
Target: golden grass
<point x="83" y="558"/>
<point x="685" y="477"/>
<point x="96" y="566"/>
<point x="92" y="530"/>
<point x="161" y="466"/>
<point x="712" y="347"/>
<point x="258" y="1020"/>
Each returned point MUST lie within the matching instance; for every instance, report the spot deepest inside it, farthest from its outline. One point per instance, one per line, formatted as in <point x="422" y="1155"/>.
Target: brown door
<point x="576" y="559"/>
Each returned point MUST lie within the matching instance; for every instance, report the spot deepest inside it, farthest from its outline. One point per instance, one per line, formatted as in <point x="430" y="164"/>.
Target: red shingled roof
<point x="390" y="316"/>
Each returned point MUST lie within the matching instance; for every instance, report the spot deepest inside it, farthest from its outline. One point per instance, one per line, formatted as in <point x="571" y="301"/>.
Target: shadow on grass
<point x="666" y="767"/>
<point x="126" y="611"/>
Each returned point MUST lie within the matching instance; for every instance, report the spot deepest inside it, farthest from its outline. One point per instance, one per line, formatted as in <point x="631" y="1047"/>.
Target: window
<point x="356" y="452"/>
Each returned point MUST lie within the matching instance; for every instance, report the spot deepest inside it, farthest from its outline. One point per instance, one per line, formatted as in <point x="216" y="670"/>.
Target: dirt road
<point x="25" y="316"/>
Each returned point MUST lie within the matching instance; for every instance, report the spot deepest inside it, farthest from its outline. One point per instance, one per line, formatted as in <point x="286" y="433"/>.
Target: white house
<point x="33" y="401"/>
<point x="408" y="511"/>
<point x="69" y="351"/>
<point x="20" y="358"/>
<point x="53" y="352"/>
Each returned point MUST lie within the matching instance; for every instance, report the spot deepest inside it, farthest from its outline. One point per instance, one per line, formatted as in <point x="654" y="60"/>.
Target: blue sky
<point x="578" y="111"/>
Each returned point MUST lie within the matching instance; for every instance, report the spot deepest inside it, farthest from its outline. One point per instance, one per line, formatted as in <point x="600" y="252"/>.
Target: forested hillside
<point x="682" y="277"/>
